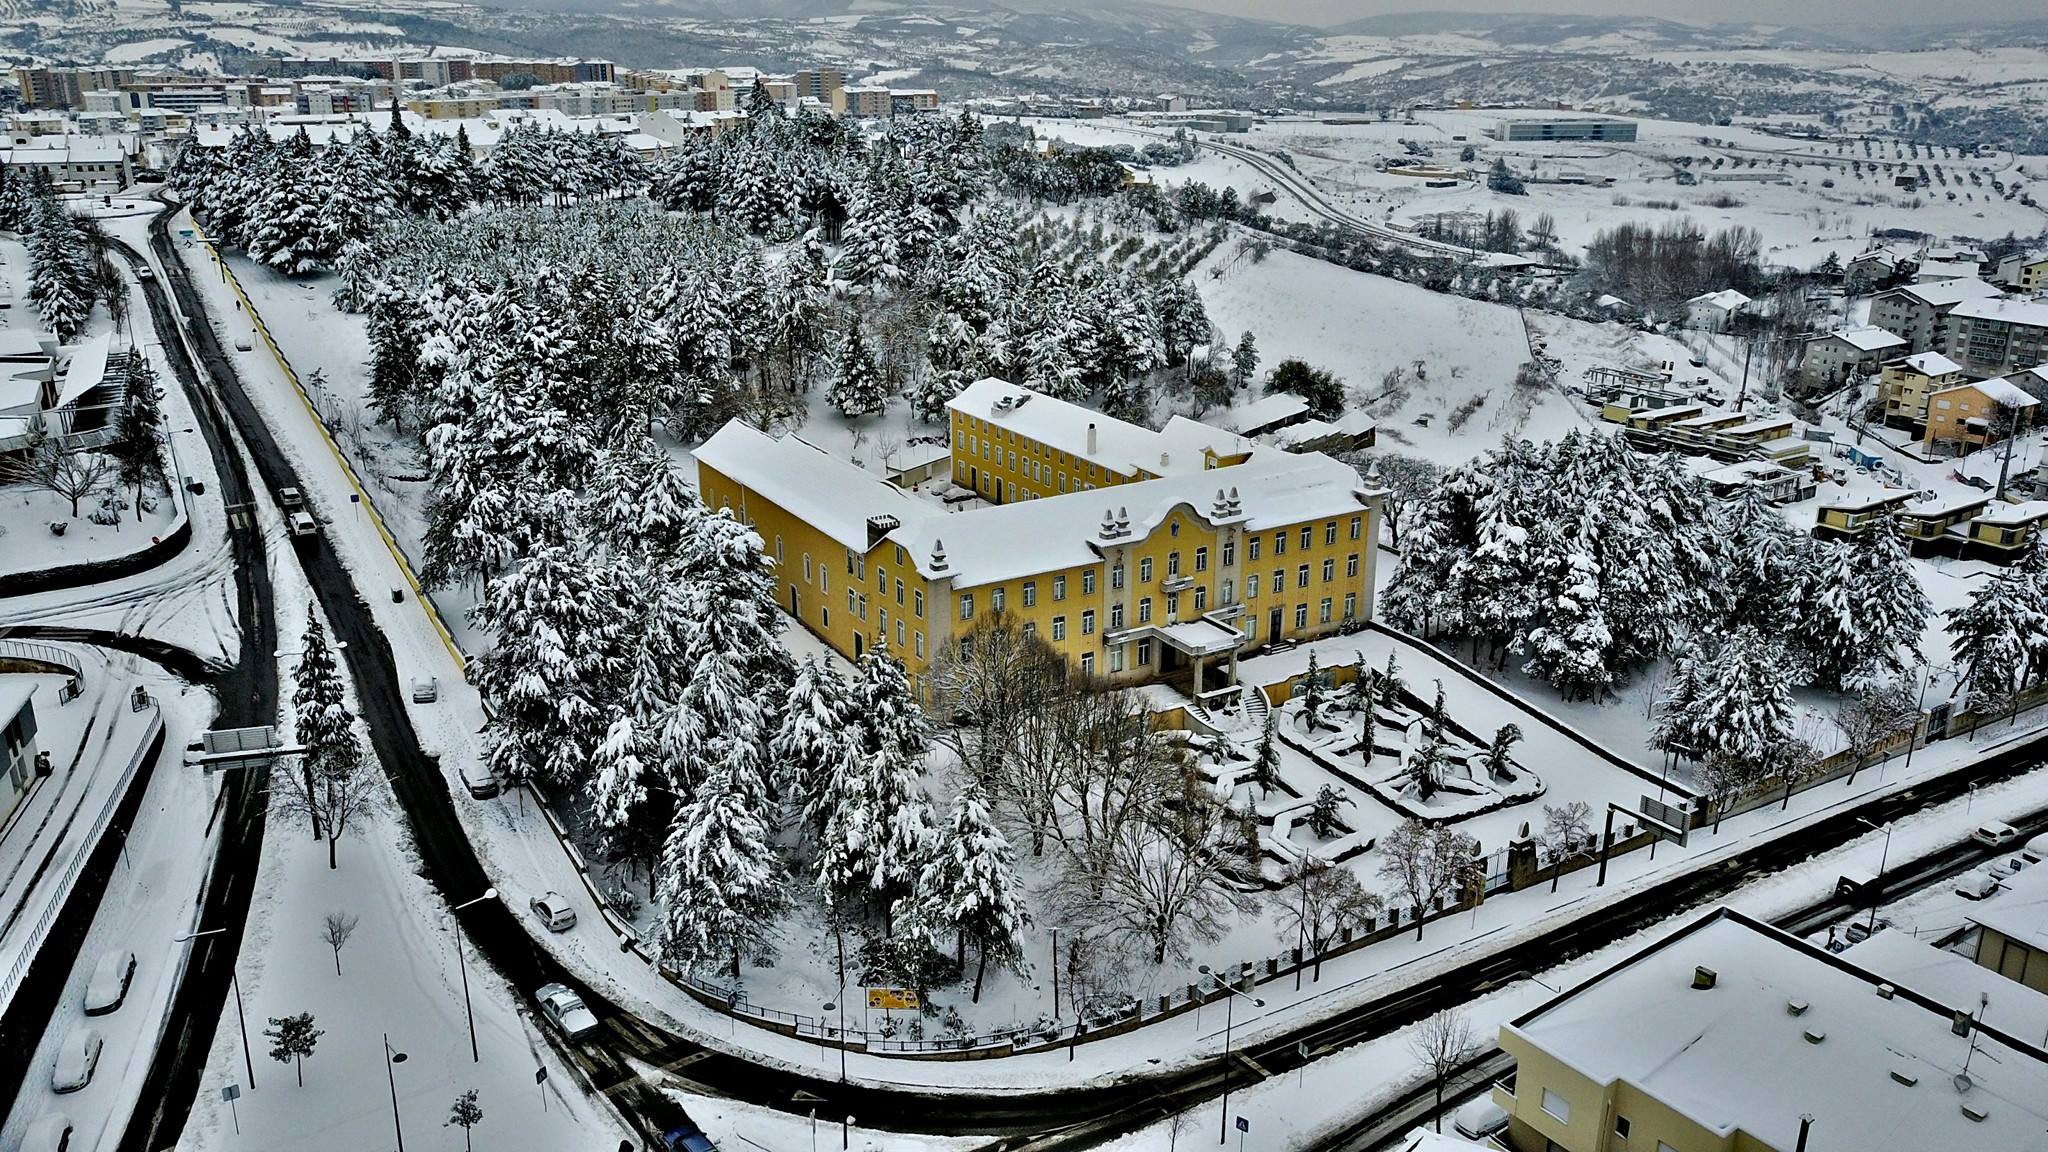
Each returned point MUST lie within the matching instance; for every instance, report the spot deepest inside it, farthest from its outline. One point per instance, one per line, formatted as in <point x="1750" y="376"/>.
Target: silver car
<point x="565" y="1010"/>
<point x="554" y="912"/>
<point x="76" y="1060"/>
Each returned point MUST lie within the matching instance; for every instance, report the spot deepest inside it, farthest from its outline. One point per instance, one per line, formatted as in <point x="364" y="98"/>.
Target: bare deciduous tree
<point x="1440" y="1044"/>
<point x="71" y="475"/>
<point x="1162" y="882"/>
<point x="335" y="931"/>
<point x="340" y="788"/>
<point x="1566" y="829"/>
<point x="1879" y="712"/>
<point x="1319" y="901"/>
<point x="1426" y="862"/>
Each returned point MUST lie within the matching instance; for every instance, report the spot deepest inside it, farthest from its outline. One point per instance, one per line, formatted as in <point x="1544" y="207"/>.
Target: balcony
<point x="1176" y="582"/>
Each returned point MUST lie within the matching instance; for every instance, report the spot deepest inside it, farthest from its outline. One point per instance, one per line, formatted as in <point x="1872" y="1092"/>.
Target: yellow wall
<point x="982" y="456"/>
<point x="2013" y="959"/>
<point x="1964" y="404"/>
<point x="1045" y="609"/>
<point x="1595" y="1112"/>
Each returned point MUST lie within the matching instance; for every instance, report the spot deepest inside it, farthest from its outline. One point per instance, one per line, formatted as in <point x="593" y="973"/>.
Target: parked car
<point x="1860" y="930"/>
<point x="2010" y="866"/>
<point x="564" y="1009"/>
<point x="554" y="912"/>
<point x="1977" y="885"/>
<point x="1479" y="1119"/>
<point x="479" y="781"/>
<point x="76" y="1059"/>
<point x="50" y="1133"/>
<point x="302" y="523"/>
<point x="2036" y="850"/>
<point x="109" y="985"/>
<point x="687" y="1137"/>
<point x="1995" y="834"/>
<point x="426" y="689"/>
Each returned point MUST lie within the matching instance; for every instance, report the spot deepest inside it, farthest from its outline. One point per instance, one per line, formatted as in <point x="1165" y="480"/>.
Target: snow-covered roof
<point x="1883" y="497"/>
<point x="1900" y="957"/>
<point x="1423" y="1140"/>
<point x="2033" y="313"/>
<point x="1931" y="364"/>
<point x="1935" y="271"/>
<point x="1306" y="432"/>
<point x="87" y="368"/>
<point x="2020" y="912"/>
<point x="2011" y="515"/>
<point x="1727" y="299"/>
<point x="824" y="491"/>
<point x="1938" y="505"/>
<point x="1266" y="411"/>
<point x="1008" y="541"/>
<point x="15" y="692"/>
<point x="1786" y="1031"/>
<point x="1998" y="390"/>
<point x="65" y="150"/>
<point x="1744" y="471"/>
<point x="1122" y="447"/>
<point x="1867" y="338"/>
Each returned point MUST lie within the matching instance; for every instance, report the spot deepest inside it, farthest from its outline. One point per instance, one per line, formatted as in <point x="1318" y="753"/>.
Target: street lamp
<point x="392" y="1057"/>
<point x="1223" y="1122"/>
<point x="235" y="977"/>
<point x="829" y="1006"/>
<point x="1882" y="858"/>
<point x="454" y="922"/>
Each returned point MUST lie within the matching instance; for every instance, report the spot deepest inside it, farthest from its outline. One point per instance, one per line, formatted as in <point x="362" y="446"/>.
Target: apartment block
<point x="1918" y="313"/>
<point x="1998" y="336"/>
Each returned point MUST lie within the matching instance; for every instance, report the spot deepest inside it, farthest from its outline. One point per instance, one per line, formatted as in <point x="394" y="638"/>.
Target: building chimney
<point x="1703" y="977"/>
<point x="1091" y="438"/>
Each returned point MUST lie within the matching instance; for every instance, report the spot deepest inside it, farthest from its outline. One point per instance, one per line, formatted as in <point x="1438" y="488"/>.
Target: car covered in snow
<point x="50" y="1133"/>
<point x="1978" y="884"/>
<point x="687" y="1137"/>
<point x="565" y="1010"/>
<point x="554" y="912"/>
<point x="109" y="984"/>
<point x="77" y="1058"/>
<point x="2036" y="850"/>
<point x="1479" y="1119"/>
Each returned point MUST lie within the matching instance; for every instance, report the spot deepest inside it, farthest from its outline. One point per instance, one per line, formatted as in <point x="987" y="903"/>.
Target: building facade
<point x="1565" y="128"/>
<point x="18" y="747"/>
<point x="1963" y="417"/>
<point x="1907" y="382"/>
<point x="1848" y="353"/>
<point x="1999" y="336"/>
<point x="1918" y="313"/>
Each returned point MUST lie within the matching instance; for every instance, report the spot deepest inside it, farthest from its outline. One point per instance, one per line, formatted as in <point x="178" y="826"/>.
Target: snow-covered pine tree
<point x="720" y="884"/>
<point x="816" y="743"/>
<point x="969" y="886"/>
<point x="1244" y="361"/>
<point x="56" y="253"/>
<point x="1860" y="607"/>
<point x="138" y="428"/>
<point x="895" y="735"/>
<point x="736" y="671"/>
<point x="1998" y="637"/>
<point x="640" y="502"/>
<point x="857" y="387"/>
<point x="1743" y="711"/>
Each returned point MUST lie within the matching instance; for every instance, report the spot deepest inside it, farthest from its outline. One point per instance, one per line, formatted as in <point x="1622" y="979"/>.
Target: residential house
<point x="18" y="751"/>
<point x="1137" y="557"/>
<point x="82" y="163"/>
<point x="1273" y="411"/>
<point x="1919" y="312"/>
<point x="1964" y="417"/>
<point x="2024" y="273"/>
<point x="1714" y="311"/>
<point x="1997" y="337"/>
<point x="1850" y="516"/>
<point x="1935" y="525"/>
<point x="2002" y="534"/>
<point x="1732" y="1036"/>
<point x="1848" y="354"/>
<point x="1933" y="271"/>
<point x="1907" y="382"/>
<point x="1777" y="483"/>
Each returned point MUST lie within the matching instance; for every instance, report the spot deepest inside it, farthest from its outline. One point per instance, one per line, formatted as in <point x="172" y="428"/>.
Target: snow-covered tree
<point x="857" y="386"/>
<point x="1244" y="361"/>
<point x="1998" y="637"/>
<point x="60" y="280"/>
<point x="138" y="429"/>
<point x="817" y="742"/>
<point x="969" y="885"/>
<point x="720" y="884"/>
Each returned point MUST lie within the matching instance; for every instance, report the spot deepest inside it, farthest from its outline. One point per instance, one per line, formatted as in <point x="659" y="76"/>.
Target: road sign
<point x="1243" y="1125"/>
<point x="231" y="1093"/>
<point x="540" y="1075"/>
<point x="888" y="998"/>
<point x="1672" y="822"/>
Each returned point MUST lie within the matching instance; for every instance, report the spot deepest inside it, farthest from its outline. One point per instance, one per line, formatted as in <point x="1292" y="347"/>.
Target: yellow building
<point x="2004" y="532"/>
<point x="1852" y="514"/>
<point x="1966" y="416"/>
<point x="1731" y="1036"/>
<point x="1168" y="576"/>
<point x="1906" y="384"/>
<point x="2012" y="933"/>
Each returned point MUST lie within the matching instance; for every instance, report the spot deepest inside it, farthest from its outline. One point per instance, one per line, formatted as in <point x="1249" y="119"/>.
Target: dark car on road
<point x="687" y="1137"/>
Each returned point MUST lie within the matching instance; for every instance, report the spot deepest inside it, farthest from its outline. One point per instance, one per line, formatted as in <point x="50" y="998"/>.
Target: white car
<point x="1977" y="885"/>
<point x="1995" y="834"/>
<point x="51" y="1133"/>
<point x="1479" y="1119"/>
<point x="76" y="1060"/>
<point x="554" y="912"/>
<point x="565" y="1010"/>
<point x="302" y="523"/>
<point x="110" y="980"/>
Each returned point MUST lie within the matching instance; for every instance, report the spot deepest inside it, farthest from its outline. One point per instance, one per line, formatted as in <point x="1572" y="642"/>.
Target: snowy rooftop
<point x="2020" y="911"/>
<point x="830" y="494"/>
<point x="1264" y="412"/>
<point x="1865" y="501"/>
<point x="1931" y="364"/>
<point x="2030" y="312"/>
<point x="1998" y="390"/>
<point x="1788" y="1030"/>
<point x="1122" y="447"/>
<point x="14" y="692"/>
<point x="2025" y="512"/>
<point x="1958" y="290"/>
<point x="1743" y="471"/>
<point x="65" y="150"/>
<point x="1941" y="271"/>
<point x="1899" y="957"/>
<point x="1867" y="338"/>
<point x="1727" y="299"/>
<point x="1944" y="505"/>
<point x="87" y="368"/>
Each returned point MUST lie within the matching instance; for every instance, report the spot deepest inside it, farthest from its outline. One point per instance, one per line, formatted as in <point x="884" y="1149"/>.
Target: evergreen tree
<point x="817" y="742"/>
<point x="969" y="884"/>
<point x="857" y="388"/>
<point x="1998" y="637"/>
<point x="60" y="280"/>
<point x="1244" y="361"/>
<point x="1266" y="758"/>
<point x="138" y="429"/>
<point x="720" y="884"/>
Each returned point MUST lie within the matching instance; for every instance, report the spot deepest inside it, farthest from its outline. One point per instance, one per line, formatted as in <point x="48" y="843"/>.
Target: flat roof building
<point x="1604" y="128"/>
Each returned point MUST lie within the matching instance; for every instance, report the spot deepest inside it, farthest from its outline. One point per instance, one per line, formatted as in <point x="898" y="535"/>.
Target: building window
<point x="1173" y="563"/>
<point x="1229" y="552"/>
<point x="995" y="599"/>
<point x="1324" y="610"/>
<point x="1116" y="658"/>
<point x="1251" y="586"/>
<point x="824" y="616"/>
<point x="917" y="602"/>
<point x="1059" y="587"/>
<point x="1030" y="593"/>
<point x="1144" y="615"/>
<point x="1201" y="559"/>
<point x="863" y="607"/>
<point x="1557" y="1107"/>
<point x="1145" y="570"/>
<point x="1300" y="616"/>
<point x="807" y="567"/>
<point x="1279" y="583"/>
<point x="1116" y="615"/>
<point x="1279" y="543"/>
<point x="919" y="638"/>
<point x="899" y="591"/>
<point x="852" y="602"/>
<point x="1224" y="593"/>
<point x="1088" y="622"/>
<point x="1621" y="1127"/>
<point x="1116" y="576"/>
<point x="1201" y="597"/>
<point x="1144" y="653"/>
<point x="967" y="605"/>
<point x="1357" y="526"/>
<point x="1087" y="663"/>
<point x="1308" y="536"/>
<point x="1350" y="605"/>
<point x="882" y="618"/>
<point x="1030" y="629"/>
<point x="1087" y="584"/>
<point x="1351" y="565"/>
<point x="1251" y="627"/>
<point x="1301" y="576"/>
<point x="1059" y="628"/>
<point x="1330" y="532"/>
<point x="849" y="561"/>
<point x="1251" y="549"/>
<point x="1173" y="605"/>
<point x="1329" y="569"/>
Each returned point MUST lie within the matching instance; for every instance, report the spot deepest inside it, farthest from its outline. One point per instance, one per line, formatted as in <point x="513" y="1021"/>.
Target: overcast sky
<point x="1815" y="12"/>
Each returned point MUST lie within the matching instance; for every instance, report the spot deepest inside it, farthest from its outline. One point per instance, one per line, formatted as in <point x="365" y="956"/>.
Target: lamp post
<point x="392" y="1057"/>
<point x="1223" y="1122"/>
<point x="1882" y="858"/>
<point x="1055" y="971"/>
<point x="841" y="1007"/>
<point x="461" y="963"/>
<point x="235" y="977"/>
